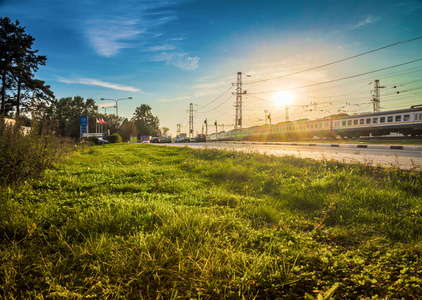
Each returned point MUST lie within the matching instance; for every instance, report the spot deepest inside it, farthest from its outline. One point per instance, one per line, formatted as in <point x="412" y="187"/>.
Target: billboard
<point x="84" y="125"/>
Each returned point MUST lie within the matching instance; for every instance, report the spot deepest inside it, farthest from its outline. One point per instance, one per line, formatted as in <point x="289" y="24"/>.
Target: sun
<point x="283" y="98"/>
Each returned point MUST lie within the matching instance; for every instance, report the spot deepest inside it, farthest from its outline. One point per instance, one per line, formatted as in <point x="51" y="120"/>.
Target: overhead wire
<point x="335" y="62"/>
<point x="216" y="106"/>
<point x="216" y="98"/>
<point x="339" y="79"/>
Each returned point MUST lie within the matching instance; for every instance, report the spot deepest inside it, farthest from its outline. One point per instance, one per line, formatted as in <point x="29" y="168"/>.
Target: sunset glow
<point x="283" y="98"/>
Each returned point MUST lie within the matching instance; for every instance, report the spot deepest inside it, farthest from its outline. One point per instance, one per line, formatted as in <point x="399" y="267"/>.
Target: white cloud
<point x="107" y="37"/>
<point x="187" y="62"/>
<point x="368" y="20"/>
<point x="180" y="60"/>
<point x="161" y="48"/>
<point x="90" y="81"/>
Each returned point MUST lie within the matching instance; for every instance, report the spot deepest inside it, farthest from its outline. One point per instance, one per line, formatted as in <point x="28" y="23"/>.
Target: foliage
<point x="115" y="138"/>
<point x="93" y="139"/>
<point x="112" y="122"/>
<point x="65" y="113"/>
<point x="165" y="131"/>
<point x="18" y="63"/>
<point x="26" y="156"/>
<point x="149" y="222"/>
<point x="127" y="129"/>
<point x="145" y="122"/>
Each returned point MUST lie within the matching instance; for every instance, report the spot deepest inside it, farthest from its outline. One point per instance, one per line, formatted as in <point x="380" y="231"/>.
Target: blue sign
<point x="84" y="124"/>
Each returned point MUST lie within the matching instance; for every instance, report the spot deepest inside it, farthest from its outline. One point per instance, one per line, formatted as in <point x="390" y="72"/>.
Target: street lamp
<point x="117" y="112"/>
<point x="105" y="108"/>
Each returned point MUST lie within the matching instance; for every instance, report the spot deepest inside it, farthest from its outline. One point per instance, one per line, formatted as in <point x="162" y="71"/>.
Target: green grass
<point x="148" y="222"/>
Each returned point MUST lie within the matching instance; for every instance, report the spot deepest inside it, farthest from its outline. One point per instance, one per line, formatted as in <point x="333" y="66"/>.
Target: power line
<point x="344" y="78"/>
<point x="335" y="62"/>
<point x="216" y="98"/>
<point x="216" y="106"/>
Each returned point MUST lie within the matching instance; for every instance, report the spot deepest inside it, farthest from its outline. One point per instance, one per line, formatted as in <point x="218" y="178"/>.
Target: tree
<point x="18" y="63"/>
<point x="144" y="120"/>
<point x="165" y="130"/>
<point x="66" y="113"/>
<point x="127" y="129"/>
<point x="112" y="121"/>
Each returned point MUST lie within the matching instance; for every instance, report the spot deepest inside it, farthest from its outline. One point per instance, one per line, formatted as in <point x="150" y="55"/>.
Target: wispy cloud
<point x="180" y="60"/>
<point x="107" y="37"/>
<point x="95" y="82"/>
<point x="161" y="48"/>
<point x="367" y="21"/>
<point x="144" y="27"/>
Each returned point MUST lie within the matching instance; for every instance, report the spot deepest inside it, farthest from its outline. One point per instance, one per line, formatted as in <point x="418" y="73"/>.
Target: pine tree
<point x="18" y="63"/>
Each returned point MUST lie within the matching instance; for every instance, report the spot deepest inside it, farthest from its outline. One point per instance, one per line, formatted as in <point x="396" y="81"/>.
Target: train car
<point x="403" y="121"/>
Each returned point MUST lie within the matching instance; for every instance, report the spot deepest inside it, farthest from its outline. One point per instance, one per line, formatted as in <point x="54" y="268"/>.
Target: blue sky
<point x="170" y="53"/>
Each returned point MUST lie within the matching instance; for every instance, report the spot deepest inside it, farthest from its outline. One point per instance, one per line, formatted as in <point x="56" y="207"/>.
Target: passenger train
<point x="403" y="121"/>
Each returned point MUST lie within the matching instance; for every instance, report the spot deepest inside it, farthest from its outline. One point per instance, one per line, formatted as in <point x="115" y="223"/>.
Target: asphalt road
<point x="404" y="157"/>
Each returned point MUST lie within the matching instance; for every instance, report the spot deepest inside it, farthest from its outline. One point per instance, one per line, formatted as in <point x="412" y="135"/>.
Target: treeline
<point x="64" y="114"/>
<point x="25" y="154"/>
<point x="27" y="99"/>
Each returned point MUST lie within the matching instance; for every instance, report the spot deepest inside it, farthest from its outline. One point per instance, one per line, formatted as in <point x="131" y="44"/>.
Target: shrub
<point x="93" y="139"/>
<point x="25" y="155"/>
<point x="115" y="138"/>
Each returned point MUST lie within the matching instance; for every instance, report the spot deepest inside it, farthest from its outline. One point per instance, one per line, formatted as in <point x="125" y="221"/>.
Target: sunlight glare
<point x="283" y="98"/>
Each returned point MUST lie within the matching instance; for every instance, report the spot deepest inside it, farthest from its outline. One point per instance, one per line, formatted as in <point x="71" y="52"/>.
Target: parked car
<point x="201" y="138"/>
<point x="102" y="142"/>
<point x="155" y="140"/>
<point x="165" y="139"/>
<point x="184" y="140"/>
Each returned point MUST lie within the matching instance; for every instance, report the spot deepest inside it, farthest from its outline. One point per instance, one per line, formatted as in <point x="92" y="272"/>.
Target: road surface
<point x="403" y="157"/>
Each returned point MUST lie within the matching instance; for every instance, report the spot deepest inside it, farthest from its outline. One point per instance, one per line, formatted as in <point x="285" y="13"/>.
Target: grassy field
<point x="146" y="222"/>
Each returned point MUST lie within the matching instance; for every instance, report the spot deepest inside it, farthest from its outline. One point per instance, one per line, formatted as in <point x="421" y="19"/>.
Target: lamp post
<point x="117" y="112"/>
<point x="105" y="108"/>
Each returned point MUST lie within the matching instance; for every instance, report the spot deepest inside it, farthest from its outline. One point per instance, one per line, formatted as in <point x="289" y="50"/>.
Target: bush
<point x="115" y="138"/>
<point x="93" y="139"/>
<point x="25" y="155"/>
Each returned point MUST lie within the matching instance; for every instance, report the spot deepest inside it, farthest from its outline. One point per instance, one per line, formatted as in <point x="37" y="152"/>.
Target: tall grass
<point x="25" y="156"/>
<point x="147" y="222"/>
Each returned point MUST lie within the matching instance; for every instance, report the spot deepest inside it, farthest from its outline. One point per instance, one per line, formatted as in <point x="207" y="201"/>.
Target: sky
<point x="316" y="58"/>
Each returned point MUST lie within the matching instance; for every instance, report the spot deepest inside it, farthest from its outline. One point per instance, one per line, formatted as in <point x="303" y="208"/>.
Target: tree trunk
<point x="3" y="92"/>
<point x="18" y="100"/>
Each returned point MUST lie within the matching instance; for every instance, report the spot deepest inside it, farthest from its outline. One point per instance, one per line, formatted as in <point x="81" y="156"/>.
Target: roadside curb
<point x="360" y="146"/>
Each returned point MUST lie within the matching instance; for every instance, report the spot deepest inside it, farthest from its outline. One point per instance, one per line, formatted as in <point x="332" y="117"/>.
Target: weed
<point x="178" y="223"/>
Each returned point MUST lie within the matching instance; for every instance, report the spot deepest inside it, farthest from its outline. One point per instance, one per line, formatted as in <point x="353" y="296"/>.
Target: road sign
<point x="84" y="125"/>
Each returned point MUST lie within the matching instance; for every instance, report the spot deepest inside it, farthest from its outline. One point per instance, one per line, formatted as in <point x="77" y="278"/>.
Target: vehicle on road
<point x="154" y="139"/>
<point x="102" y="142"/>
<point x="184" y="140"/>
<point x="165" y="139"/>
<point x="201" y="138"/>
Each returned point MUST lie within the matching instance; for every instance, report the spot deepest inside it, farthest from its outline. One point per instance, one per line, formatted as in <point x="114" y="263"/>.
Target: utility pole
<point x="215" y="123"/>
<point x="269" y="117"/>
<point x="191" y="120"/>
<point x="178" y="128"/>
<point x="238" y="105"/>
<point x="206" y="126"/>
<point x="376" y="96"/>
